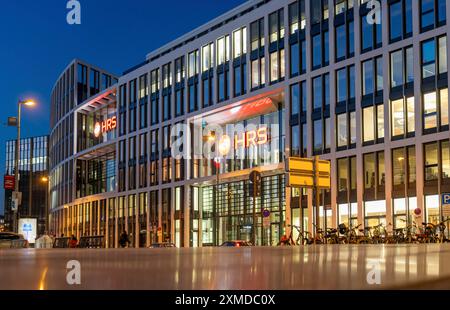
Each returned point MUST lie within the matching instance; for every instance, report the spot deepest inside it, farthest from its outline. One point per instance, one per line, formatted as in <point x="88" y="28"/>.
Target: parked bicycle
<point x="379" y="234"/>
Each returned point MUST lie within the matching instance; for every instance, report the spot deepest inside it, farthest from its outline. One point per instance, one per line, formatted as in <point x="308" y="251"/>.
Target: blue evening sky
<point x="36" y="44"/>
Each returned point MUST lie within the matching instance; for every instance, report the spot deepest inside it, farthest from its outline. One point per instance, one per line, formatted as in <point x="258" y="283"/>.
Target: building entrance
<point x="228" y="213"/>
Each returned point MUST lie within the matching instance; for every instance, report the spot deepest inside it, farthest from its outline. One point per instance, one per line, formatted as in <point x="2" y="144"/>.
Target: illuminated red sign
<point x="105" y="126"/>
<point x="251" y="138"/>
<point x="9" y="182"/>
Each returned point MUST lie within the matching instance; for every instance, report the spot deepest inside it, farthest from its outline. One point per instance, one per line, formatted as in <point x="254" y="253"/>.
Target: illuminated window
<point x="239" y="42"/>
<point x="193" y="63"/>
<point x="375" y="213"/>
<point x="430" y="110"/>
<point x="207" y="57"/>
<point x="297" y="17"/>
<point x="431" y="161"/>
<point x="223" y="45"/>
<point x="368" y="121"/>
<point x="276" y="26"/>
<point x="274" y="68"/>
<point x="403" y="117"/>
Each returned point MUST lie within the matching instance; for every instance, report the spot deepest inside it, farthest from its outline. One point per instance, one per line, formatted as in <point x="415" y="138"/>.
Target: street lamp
<point x="27" y="103"/>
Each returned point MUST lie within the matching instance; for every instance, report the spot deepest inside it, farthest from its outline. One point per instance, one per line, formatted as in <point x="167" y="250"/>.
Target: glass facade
<point x="366" y="96"/>
<point x="34" y="177"/>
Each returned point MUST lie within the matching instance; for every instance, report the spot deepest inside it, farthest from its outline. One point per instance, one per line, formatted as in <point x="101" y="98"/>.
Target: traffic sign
<point x="309" y="173"/>
<point x="9" y="182"/>
<point x="446" y="199"/>
<point x="300" y="180"/>
<point x="298" y="164"/>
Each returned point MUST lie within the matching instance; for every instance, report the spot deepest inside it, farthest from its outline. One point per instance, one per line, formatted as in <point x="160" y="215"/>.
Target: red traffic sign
<point x="9" y="182"/>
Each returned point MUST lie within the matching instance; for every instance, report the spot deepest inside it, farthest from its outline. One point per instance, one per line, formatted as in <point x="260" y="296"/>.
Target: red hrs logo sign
<point x="105" y="126"/>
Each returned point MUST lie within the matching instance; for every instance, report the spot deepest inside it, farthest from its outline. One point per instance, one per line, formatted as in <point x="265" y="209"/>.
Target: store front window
<point x="404" y="211"/>
<point x="348" y="214"/>
<point x="432" y="209"/>
<point x="375" y="213"/>
<point x="325" y="218"/>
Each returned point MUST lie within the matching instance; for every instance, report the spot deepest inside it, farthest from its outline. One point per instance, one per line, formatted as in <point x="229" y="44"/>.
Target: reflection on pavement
<point x="281" y="268"/>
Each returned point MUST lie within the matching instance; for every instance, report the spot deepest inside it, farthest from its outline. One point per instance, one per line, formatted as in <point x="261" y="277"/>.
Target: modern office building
<point x="76" y="169"/>
<point x="33" y="172"/>
<point x="363" y="84"/>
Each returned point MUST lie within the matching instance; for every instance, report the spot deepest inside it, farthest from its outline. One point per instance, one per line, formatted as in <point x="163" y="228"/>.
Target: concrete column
<point x="309" y="110"/>
<point x="187" y="215"/>
<point x="230" y="68"/>
<point x="83" y="213"/>
<point x="200" y="220"/>
<point x="107" y="224"/>
<point x="310" y="212"/>
<point x="420" y="179"/>
<point x="287" y="152"/>
<point x="359" y="123"/>
<point x="90" y="218"/>
<point x="98" y="216"/>
<point x="147" y="210"/>
<point x="172" y="215"/>
<point x="387" y="123"/>
<point x="77" y="221"/>
<point x="137" y="209"/>
<point x="333" y="128"/>
<point x="125" y="212"/>
<point x="160" y="238"/>
<point x="334" y="208"/>
<point x="69" y="220"/>
<point x="116" y="222"/>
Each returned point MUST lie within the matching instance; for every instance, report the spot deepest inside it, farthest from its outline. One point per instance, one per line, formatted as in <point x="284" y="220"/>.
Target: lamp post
<point x="28" y="103"/>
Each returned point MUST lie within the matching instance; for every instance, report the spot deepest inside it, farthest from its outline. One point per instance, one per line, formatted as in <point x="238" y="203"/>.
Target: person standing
<point x="124" y="240"/>
<point x="73" y="243"/>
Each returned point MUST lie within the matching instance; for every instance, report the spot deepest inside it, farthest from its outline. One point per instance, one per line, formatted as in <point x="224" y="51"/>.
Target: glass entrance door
<point x="275" y="234"/>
